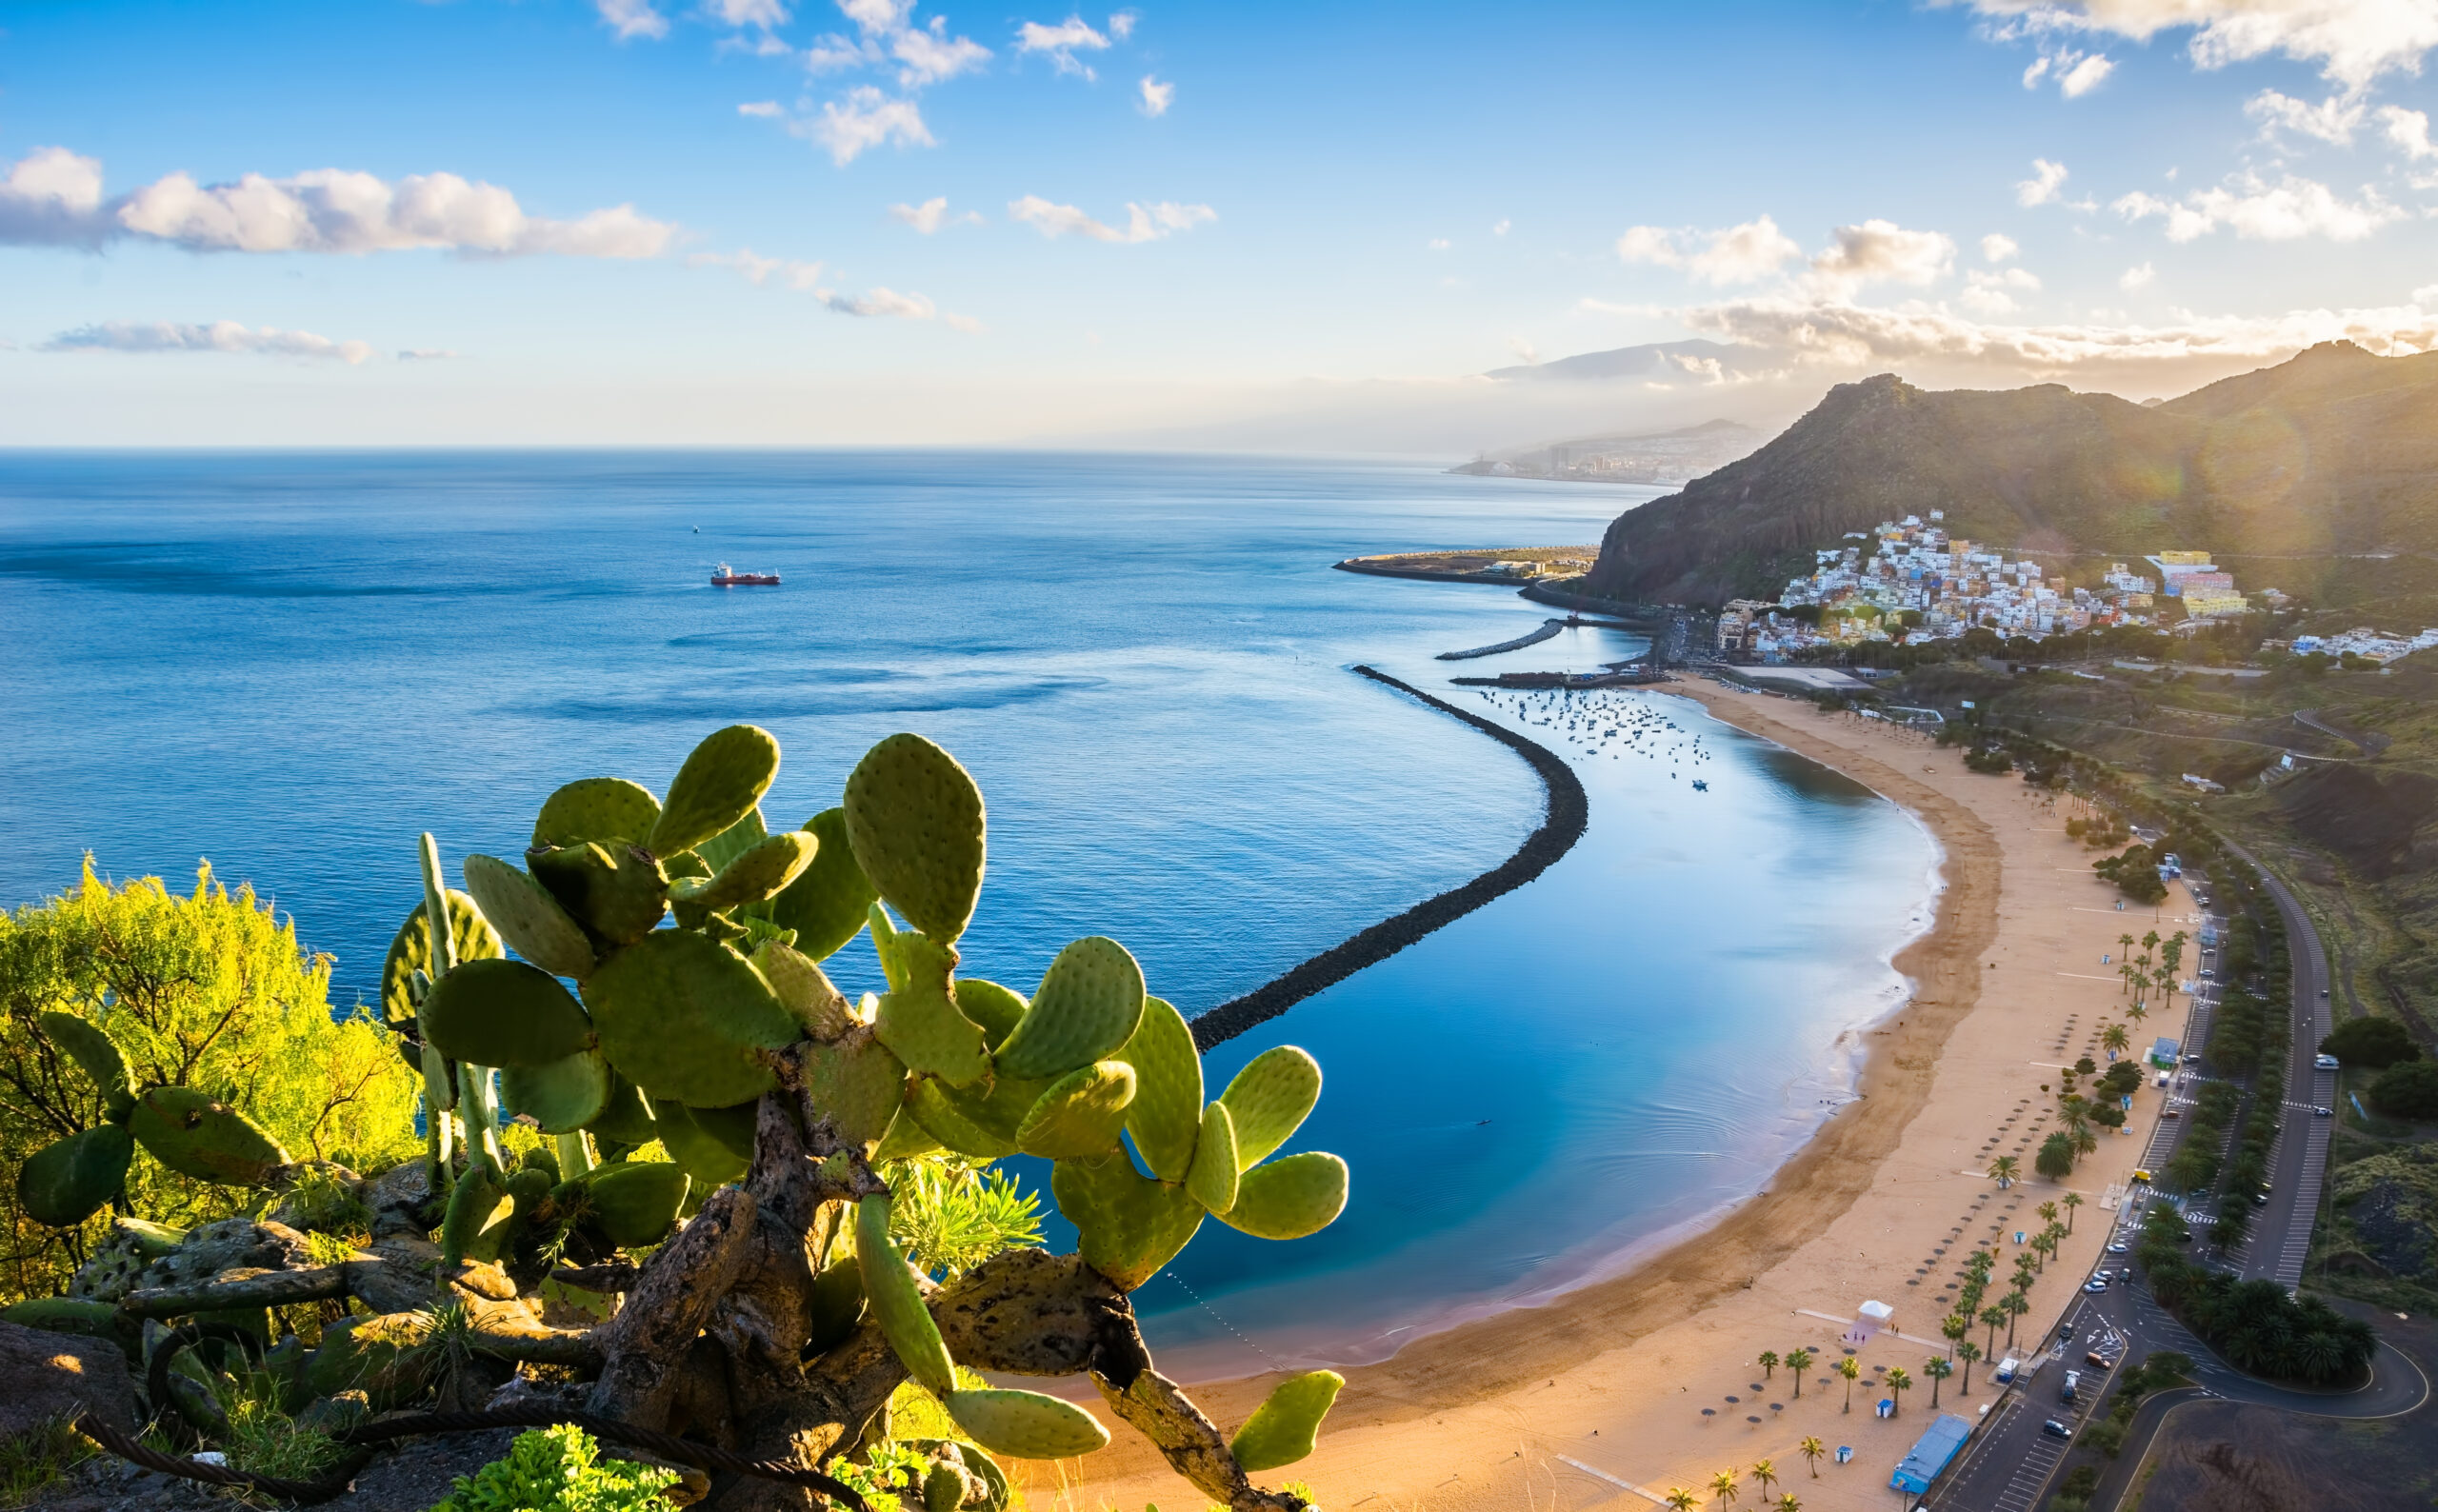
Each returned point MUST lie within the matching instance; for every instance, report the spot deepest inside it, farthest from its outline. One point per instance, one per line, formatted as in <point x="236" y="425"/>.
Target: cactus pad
<point x="410" y="953"/>
<point x="992" y="1006"/>
<point x="858" y="1081"/>
<point x="757" y="873"/>
<point x="596" y="808"/>
<point x="686" y="1016"/>
<point x="918" y="1015"/>
<point x="904" y="1140"/>
<point x="708" y="1160"/>
<point x="915" y="818"/>
<point x="1090" y="1002"/>
<point x="1213" y="1179"/>
<point x="528" y="917"/>
<point x="1079" y="1114"/>
<point x="1166" y="1116"/>
<point x="950" y="1118"/>
<point x="504" y="1013"/>
<point x="897" y="1299"/>
<point x="1281" y="1430"/>
<point x="804" y="990"/>
<point x="1026" y="1424"/>
<point x="615" y="890"/>
<point x="66" y="1182"/>
<point x="634" y="1202"/>
<point x="563" y="1096"/>
<point x="626" y="1114"/>
<point x="733" y="1126"/>
<point x="1289" y="1198"/>
<point x="1129" y="1225"/>
<point x="1269" y="1100"/>
<point x="825" y="905"/>
<point x="723" y="779"/>
<point x="95" y="1053"/>
<point x="477" y="1207"/>
<point x="194" y="1136"/>
<point x="733" y="842"/>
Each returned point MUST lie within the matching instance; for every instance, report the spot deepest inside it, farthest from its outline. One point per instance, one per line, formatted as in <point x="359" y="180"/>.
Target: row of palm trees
<point x="1727" y="1487"/>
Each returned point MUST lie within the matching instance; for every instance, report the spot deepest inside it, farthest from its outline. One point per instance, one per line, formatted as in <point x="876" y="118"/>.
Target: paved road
<point x="2281" y="1233"/>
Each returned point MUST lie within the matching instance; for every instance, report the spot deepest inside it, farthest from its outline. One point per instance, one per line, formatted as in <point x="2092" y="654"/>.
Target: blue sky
<point x="765" y="221"/>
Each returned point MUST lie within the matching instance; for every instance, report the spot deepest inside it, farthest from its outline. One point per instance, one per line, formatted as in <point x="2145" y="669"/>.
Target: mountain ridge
<point x="2329" y="457"/>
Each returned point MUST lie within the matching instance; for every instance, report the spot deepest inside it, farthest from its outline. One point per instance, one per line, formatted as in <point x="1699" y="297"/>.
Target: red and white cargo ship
<point x="722" y="578"/>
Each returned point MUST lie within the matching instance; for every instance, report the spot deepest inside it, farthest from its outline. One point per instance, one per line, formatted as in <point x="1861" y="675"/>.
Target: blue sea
<point x="291" y="663"/>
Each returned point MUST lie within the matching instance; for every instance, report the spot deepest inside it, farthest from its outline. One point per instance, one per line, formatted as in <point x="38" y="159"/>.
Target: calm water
<point x="290" y="664"/>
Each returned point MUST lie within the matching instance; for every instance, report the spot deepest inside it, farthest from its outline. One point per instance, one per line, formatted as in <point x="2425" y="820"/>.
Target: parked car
<point x="2326" y="1063"/>
<point x="2120" y="1248"/>
<point x="2098" y="1361"/>
<point x="2096" y="1284"/>
<point x="2056" y="1429"/>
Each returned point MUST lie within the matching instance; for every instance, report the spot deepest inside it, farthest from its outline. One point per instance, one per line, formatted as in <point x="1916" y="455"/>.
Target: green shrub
<point x="2371" y="1044"/>
<point x="559" y="1470"/>
<point x="2407" y="1090"/>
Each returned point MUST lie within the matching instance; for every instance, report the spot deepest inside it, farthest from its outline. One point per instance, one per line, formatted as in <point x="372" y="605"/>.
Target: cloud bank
<point x="1143" y="223"/>
<point x="225" y="336"/>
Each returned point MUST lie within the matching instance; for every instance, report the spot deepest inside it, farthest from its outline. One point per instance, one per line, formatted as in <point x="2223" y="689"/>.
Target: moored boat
<point x="722" y="578"/>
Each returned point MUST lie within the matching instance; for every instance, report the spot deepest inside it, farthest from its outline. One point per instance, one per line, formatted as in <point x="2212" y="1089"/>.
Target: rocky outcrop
<point x="58" y="1376"/>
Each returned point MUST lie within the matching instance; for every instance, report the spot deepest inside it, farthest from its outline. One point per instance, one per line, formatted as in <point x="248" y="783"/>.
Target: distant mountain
<point x="1658" y="456"/>
<point x="2316" y="463"/>
<point x="1666" y="359"/>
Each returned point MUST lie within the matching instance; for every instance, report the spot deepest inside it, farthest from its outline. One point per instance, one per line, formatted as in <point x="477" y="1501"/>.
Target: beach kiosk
<point x="1869" y="1319"/>
<point x="1930" y="1454"/>
<point x="2164" y="1053"/>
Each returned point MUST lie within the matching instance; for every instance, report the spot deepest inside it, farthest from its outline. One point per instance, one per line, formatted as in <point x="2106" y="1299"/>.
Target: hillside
<point x="2314" y="467"/>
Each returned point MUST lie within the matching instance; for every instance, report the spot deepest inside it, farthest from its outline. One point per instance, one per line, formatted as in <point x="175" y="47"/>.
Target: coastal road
<point x="2280" y="1241"/>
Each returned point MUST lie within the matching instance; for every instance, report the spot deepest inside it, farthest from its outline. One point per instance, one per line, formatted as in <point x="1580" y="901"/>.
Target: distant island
<point x="1666" y="456"/>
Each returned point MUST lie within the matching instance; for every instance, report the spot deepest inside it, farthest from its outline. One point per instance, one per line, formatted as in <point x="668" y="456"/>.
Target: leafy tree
<point x="1992" y="1315"/>
<point x="1851" y="1370"/>
<point x="2115" y="1037"/>
<point x="2048" y="1212"/>
<point x="1899" y="1382"/>
<point x="2072" y="1201"/>
<point x="2371" y="1044"/>
<point x="1723" y="1488"/>
<point x="1953" y="1328"/>
<point x="2056" y="1158"/>
<point x="1768" y="1363"/>
<point x="1938" y="1369"/>
<point x="2004" y="1169"/>
<point x="1811" y="1449"/>
<point x="1967" y="1352"/>
<point x="1765" y="1472"/>
<point x="2407" y="1090"/>
<point x="1680" y="1499"/>
<point x="206" y="991"/>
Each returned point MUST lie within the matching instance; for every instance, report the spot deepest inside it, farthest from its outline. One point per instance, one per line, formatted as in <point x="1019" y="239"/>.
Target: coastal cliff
<point x="2328" y="456"/>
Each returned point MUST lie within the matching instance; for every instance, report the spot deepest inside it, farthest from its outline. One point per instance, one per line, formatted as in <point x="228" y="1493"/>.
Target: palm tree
<point x="1811" y="1449"/>
<point x="1992" y="1315"/>
<point x="1722" y="1486"/>
<point x="1967" y="1352"/>
<point x="1769" y="1364"/>
<point x="2016" y="1305"/>
<point x="1680" y="1499"/>
<point x="1798" y="1361"/>
<point x="2004" y="1169"/>
<point x="2079" y="1128"/>
<point x="1954" y="1326"/>
<point x="1937" y="1369"/>
<point x="2135" y="1011"/>
<point x="2048" y="1212"/>
<point x="2115" y="1039"/>
<point x="1764" y="1472"/>
<point x="1898" y="1384"/>
<point x="2071" y="1200"/>
<point x="1851" y="1370"/>
<point x="1788" y="1503"/>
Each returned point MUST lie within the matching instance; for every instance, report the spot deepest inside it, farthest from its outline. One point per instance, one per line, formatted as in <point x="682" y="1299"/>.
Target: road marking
<point x="2085" y="976"/>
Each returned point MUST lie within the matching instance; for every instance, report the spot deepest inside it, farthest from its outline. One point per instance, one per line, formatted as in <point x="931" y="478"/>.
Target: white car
<point x="2096" y="1284"/>
<point x="2326" y="1063"/>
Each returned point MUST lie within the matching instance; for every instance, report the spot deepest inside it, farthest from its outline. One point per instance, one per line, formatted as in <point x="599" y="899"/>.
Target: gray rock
<point x="51" y="1375"/>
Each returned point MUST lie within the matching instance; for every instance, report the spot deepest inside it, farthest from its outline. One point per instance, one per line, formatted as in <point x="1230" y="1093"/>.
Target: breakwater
<point x="1567" y="811"/>
<point x="1549" y="629"/>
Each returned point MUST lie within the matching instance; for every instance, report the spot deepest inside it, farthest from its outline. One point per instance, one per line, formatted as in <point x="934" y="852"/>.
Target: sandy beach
<point x="1597" y="1399"/>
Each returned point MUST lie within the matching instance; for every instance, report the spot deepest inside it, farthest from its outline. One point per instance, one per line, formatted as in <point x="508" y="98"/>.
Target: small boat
<point x="1700" y="785"/>
<point x="722" y="578"/>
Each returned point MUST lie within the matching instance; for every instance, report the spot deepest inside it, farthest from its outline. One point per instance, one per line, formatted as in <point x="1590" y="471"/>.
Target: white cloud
<point x="1524" y="350"/>
<point x="2408" y="131"/>
<point x="1880" y="251"/>
<point x="763" y="13"/>
<point x="1992" y="293"/>
<point x="2047" y="182"/>
<point x="2352" y="41"/>
<point x="1841" y="334"/>
<point x="1439" y="244"/>
<point x="428" y="354"/>
<point x="2333" y="120"/>
<point x="1157" y="97"/>
<point x="219" y="336"/>
<point x="2259" y="211"/>
<point x="630" y="19"/>
<point x="1059" y="42"/>
<point x="930" y="215"/>
<point x="1142" y="224"/>
<point x="882" y="301"/>
<point x="932" y="55"/>
<point x="2134" y="278"/>
<point x="1502" y="227"/>
<point x="2084" y="76"/>
<point x="53" y="197"/>
<point x="1996" y="247"/>
<point x="762" y="272"/>
<point x="762" y="109"/>
<point x="1739" y="254"/>
<point x="1121" y="26"/>
<point x="833" y="52"/>
<point x="865" y="119"/>
<point x="877" y="17"/>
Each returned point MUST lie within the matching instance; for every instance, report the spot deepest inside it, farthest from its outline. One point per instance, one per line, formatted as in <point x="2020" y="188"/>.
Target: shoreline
<point x="1484" y="1364"/>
